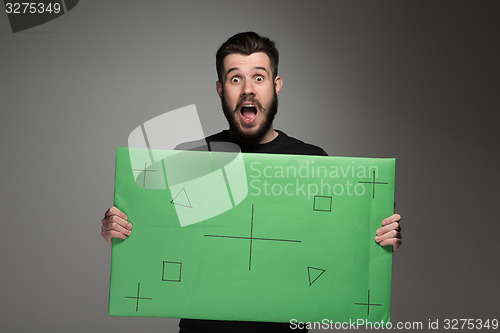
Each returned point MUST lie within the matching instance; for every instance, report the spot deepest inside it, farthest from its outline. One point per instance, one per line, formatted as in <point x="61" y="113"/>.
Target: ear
<point x="218" y="87"/>
<point x="278" y="84"/>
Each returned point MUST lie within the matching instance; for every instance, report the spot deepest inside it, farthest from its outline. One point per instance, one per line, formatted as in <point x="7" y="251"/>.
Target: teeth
<point x="248" y="106"/>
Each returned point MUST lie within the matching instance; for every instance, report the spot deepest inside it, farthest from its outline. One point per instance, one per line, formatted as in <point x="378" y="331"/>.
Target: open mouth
<point x="248" y="112"/>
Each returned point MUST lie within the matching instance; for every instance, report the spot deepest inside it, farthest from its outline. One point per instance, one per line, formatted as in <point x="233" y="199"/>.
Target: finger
<point x="395" y="242"/>
<point x="387" y="228"/>
<point x="108" y="235"/>
<point x="115" y="227"/>
<point x="115" y="211"/>
<point x="388" y="235"/>
<point x="115" y="219"/>
<point x="391" y="219"/>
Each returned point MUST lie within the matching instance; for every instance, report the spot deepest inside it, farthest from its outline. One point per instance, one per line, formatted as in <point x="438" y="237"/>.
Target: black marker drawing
<point x="314" y="271"/>
<point x="178" y="201"/>
<point x="168" y="268"/>
<point x="137" y="298"/>
<point x="373" y="184"/>
<point x="145" y="170"/>
<point x="368" y="304"/>
<point x="317" y="205"/>
<point x="252" y="238"/>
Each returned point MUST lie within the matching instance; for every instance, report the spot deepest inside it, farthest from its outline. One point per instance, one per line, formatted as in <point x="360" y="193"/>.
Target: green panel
<point x="300" y="244"/>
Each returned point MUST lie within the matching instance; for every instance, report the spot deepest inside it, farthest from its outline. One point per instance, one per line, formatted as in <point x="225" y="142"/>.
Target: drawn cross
<point x="144" y="171"/>
<point x="374" y="182"/>
<point x="368" y="304"/>
<point x="137" y="298"/>
<point x="252" y="238"/>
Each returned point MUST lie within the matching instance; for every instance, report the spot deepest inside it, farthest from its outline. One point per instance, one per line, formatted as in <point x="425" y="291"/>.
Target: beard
<point x="241" y="136"/>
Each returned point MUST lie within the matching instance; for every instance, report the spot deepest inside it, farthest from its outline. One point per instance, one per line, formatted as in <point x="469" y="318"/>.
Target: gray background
<point x="415" y="80"/>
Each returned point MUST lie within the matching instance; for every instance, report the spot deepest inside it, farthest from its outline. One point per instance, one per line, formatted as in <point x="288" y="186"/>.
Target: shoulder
<point x="221" y="136"/>
<point x="202" y="144"/>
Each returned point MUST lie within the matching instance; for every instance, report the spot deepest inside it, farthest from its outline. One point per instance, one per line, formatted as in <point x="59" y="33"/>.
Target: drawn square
<point x="322" y="203"/>
<point x="171" y="271"/>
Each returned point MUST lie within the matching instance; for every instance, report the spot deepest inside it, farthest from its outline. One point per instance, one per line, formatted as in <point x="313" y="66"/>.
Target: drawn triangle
<point x="314" y="274"/>
<point x="182" y="199"/>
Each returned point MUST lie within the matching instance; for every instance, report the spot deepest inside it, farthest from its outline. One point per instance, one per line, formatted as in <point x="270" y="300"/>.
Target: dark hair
<point x="247" y="43"/>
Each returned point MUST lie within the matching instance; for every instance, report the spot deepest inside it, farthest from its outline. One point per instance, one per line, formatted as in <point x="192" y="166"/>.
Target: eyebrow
<point x="236" y="68"/>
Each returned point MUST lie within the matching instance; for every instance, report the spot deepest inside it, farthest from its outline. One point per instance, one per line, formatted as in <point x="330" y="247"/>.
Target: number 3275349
<point x="32" y="8"/>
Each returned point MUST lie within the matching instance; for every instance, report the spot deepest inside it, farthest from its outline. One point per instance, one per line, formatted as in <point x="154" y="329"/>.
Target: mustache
<point x="253" y="100"/>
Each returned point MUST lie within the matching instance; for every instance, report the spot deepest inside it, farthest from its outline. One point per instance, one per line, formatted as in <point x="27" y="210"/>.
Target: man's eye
<point x="259" y="79"/>
<point x="235" y="80"/>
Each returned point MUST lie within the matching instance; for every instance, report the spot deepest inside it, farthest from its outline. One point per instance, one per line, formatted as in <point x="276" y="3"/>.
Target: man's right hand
<point x="115" y="225"/>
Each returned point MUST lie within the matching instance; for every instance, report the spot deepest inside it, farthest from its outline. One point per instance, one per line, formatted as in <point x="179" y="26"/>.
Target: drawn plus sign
<point x="368" y="304"/>
<point x="374" y="182"/>
<point x="137" y="298"/>
<point x="145" y="170"/>
<point x="252" y="238"/>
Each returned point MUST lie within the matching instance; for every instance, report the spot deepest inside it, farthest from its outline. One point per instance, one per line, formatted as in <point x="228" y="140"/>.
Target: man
<point x="248" y="86"/>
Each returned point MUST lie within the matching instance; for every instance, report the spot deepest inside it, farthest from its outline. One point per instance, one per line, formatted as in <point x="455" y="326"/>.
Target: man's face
<point x="249" y="96"/>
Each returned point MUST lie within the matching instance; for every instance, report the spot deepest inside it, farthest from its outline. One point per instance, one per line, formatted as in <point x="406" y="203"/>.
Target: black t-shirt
<point x="282" y="144"/>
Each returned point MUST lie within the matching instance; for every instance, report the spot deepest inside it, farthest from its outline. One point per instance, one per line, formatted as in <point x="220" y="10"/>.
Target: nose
<point x="248" y="89"/>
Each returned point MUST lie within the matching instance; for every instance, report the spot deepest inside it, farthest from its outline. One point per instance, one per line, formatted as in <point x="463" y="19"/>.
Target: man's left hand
<point x="390" y="232"/>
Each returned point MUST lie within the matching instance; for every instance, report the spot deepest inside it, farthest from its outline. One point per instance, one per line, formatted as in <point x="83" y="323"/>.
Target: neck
<point x="269" y="136"/>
